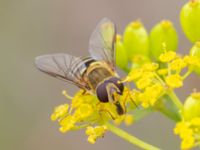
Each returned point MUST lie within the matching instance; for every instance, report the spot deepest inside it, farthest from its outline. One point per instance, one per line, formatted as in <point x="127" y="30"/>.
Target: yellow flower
<point x="189" y="133"/>
<point x="187" y="143"/>
<point x="178" y="64"/>
<point x="83" y="111"/>
<point x="81" y="98"/>
<point x="151" y="95"/>
<point x="192" y="61"/>
<point x="127" y="119"/>
<point x="143" y="83"/>
<point x="174" y="81"/>
<point x="195" y="121"/>
<point x="59" y="112"/>
<point x="150" y="66"/>
<point x="135" y="74"/>
<point x="67" y="123"/>
<point x="95" y="132"/>
<point x="167" y="57"/>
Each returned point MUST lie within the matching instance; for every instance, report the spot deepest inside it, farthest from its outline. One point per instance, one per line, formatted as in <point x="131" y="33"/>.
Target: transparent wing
<point x="63" y="66"/>
<point x="101" y="43"/>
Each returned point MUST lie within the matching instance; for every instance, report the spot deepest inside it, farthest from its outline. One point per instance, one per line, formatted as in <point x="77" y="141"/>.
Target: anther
<point x="66" y="95"/>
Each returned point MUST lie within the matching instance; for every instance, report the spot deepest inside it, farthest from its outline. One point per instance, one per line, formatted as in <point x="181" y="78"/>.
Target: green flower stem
<point x="130" y="138"/>
<point x="175" y="99"/>
<point x="186" y="74"/>
<point x="168" y="108"/>
<point x="140" y="113"/>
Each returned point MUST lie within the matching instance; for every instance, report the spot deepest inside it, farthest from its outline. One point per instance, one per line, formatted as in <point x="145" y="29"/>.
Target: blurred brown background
<point x="29" y="28"/>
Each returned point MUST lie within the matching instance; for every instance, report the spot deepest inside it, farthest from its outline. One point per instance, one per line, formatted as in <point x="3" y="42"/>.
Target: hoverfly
<point x="96" y="73"/>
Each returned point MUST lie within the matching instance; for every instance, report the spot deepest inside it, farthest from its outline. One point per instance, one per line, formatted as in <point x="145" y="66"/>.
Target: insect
<point x="95" y="73"/>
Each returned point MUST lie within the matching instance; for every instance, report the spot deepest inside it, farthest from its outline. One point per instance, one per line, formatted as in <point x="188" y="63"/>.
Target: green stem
<point x="130" y="138"/>
<point x="167" y="107"/>
<point x="175" y="99"/>
<point x="141" y="113"/>
<point x="186" y="74"/>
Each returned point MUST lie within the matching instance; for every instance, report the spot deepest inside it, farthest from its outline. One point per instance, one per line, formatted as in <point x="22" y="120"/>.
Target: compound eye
<point x="102" y="92"/>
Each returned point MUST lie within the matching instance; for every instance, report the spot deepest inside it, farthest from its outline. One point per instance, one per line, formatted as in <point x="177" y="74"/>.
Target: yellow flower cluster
<point x="148" y="82"/>
<point x="86" y="111"/>
<point x="189" y="132"/>
<point x="154" y="80"/>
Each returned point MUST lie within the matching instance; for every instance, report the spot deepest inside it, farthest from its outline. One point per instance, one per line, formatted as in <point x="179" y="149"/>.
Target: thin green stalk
<point x="130" y="138"/>
<point x="175" y="99"/>
<point x="141" y="113"/>
<point x="186" y="74"/>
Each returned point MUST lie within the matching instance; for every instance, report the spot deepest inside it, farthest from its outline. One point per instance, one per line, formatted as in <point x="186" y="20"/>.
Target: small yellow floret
<point x="151" y="95"/>
<point x="178" y="64"/>
<point x="143" y="83"/>
<point x="174" y="81"/>
<point x="167" y="57"/>
<point x="150" y="66"/>
<point x="67" y="124"/>
<point x="59" y="112"/>
<point x="187" y="143"/>
<point x="83" y="111"/>
<point x="95" y="132"/>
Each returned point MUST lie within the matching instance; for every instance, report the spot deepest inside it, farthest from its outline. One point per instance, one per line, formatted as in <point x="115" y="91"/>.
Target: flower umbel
<point x="85" y="111"/>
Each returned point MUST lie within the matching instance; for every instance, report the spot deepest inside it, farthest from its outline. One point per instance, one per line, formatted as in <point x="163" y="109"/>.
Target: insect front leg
<point x="103" y="110"/>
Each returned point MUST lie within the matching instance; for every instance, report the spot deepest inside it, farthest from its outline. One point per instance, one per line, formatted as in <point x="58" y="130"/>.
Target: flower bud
<point x="195" y="51"/>
<point x="191" y="108"/>
<point x="189" y="18"/>
<point x="139" y="60"/>
<point x="136" y="40"/>
<point x="163" y="36"/>
<point x="121" y="56"/>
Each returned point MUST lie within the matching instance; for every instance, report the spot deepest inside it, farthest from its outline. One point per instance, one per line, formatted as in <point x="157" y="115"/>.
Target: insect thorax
<point x="97" y="73"/>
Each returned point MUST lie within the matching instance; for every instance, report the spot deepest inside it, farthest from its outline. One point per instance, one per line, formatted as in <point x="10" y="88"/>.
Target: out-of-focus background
<point x="29" y="28"/>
